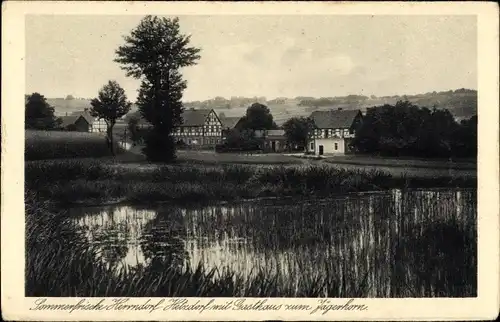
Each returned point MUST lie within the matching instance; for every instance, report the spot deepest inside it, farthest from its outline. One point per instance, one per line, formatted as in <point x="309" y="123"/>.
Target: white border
<point x="485" y="306"/>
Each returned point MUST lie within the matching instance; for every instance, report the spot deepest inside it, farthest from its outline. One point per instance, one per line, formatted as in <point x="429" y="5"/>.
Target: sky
<point x="271" y="56"/>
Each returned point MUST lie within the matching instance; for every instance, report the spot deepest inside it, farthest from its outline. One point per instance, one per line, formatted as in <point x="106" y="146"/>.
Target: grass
<point x="92" y="181"/>
<point x="460" y="164"/>
<point x="40" y="145"/>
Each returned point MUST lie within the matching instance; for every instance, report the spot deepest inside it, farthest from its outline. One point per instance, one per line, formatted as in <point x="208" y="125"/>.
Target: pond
<point x="384" y="244"/>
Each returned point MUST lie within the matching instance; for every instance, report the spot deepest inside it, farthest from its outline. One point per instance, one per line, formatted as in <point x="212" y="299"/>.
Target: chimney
<point x="339" y="109"/>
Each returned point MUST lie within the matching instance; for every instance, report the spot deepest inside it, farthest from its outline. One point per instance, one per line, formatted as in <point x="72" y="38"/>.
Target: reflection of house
<point x="274" y="140"/>
<point x="75" y="123"/>
<point x="334" y="131"/>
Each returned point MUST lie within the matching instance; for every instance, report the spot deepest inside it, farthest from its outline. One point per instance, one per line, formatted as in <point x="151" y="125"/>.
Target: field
<point x="40" y="145"/>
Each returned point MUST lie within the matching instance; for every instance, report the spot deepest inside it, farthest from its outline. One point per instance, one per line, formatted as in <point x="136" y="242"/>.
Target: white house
<point x="333" y="131"/>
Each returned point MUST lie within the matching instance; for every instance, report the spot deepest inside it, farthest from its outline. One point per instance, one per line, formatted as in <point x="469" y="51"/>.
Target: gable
<point x="212" y="119"/>
<point x="85" y="114"/>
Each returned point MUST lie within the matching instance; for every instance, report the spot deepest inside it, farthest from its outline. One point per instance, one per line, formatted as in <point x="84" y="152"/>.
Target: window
<point x="182" y="130"/>
<point x="326" y="133"/>
<point x="336" y="146"/>
<point x="337" y="132"/>
<point x="312" y="145"/>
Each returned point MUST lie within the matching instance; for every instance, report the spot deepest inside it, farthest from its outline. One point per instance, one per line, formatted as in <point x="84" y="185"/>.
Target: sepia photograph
<point x="328" y="156"/>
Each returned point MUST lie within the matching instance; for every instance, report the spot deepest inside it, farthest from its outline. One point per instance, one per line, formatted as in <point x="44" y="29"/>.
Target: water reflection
<point x="357" y="238"/>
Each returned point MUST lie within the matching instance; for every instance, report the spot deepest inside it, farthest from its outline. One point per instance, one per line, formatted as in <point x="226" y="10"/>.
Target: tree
<point x="297" y="130"/>
<point x="133" y="129"/>
<point x="258" y="117"/>
<point x="110" y="105"/>
<point x="408" y="130"/>
<point x="70" y="97"/>
<point x="154" y="52"/>
<point x="39" y="114"/>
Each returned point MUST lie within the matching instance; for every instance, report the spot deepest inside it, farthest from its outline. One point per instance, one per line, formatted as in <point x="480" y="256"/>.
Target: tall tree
<point x="154" y="52"/>
<point x="39" y="114"/>
<point x="258" y="117"/>
<point x="110" y="104"/>
<point x="297" y="130"/>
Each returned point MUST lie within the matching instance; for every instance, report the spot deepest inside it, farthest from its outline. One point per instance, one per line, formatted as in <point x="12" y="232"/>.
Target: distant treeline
<point x="461" y="102"/>
<point x="404" y="129"/>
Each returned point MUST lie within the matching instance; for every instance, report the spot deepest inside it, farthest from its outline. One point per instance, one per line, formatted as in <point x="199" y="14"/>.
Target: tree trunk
<point x="109" y="138"/>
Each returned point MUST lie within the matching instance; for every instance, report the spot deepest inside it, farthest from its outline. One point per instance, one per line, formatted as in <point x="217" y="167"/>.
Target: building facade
<point x="333" y="131"/>
<point x="275" y="141"/>
<point x="200" y="128"/>
<point x="98" y="126"/>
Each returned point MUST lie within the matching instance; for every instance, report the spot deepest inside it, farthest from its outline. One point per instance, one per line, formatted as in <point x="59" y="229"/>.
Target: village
<point x="177" y="177"/>
<point x="204" y="129"/>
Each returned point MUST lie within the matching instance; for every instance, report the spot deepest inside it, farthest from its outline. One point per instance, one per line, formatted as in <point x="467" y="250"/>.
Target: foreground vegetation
<point x="90" y="181"/>
<point x="60" y="262"/>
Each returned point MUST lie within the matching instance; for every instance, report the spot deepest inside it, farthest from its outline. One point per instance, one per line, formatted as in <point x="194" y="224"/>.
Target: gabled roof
<point x="230" y="122"/>
<point x="334" y="119"/>
<point x="195" y="117"/>
<point x="71" y="119"/>
<point x="86" y="115"/>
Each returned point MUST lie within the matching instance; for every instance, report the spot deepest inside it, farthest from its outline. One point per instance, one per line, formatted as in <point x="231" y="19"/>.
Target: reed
<point x="80" y="180"/>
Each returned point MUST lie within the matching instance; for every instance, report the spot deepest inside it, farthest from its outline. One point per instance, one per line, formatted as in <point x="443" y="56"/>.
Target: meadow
<point x="40" y="145"/>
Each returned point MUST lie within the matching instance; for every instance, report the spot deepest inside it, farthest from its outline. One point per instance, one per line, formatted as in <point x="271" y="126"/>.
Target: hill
<point x="462" y="103"/>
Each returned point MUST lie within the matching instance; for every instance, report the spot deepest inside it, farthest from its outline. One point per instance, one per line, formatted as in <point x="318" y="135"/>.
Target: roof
<point x="195" y="117"/>
<point x="275" y="132"/>
<point x="86" y="115"/>
<point x="70" y="119"/>
<point x="278" y="134"/>
<point x="334" y="119"/>
<point x="230" y="122"/>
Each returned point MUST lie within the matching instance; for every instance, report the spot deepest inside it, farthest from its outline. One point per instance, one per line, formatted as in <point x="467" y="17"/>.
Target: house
<point x="333" y="131"/>
<point x="76" y="123"/>
<point x="199" y="128"/>
<point x="274" y="141"/>
<point x="96" y="125"/>
<point x="228" y="124"/>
